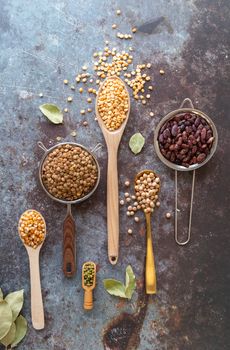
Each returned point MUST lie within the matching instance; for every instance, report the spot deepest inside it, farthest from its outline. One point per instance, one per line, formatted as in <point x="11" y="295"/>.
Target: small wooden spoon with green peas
<point x="88" y="283"/>
<point x="147" y="186"/>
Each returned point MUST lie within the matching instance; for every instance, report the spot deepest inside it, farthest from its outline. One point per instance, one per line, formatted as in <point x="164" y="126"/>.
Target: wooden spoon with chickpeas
<point x="147" y="187"/>
<point x="112" y="111"/>
<point x="32" y="231"/>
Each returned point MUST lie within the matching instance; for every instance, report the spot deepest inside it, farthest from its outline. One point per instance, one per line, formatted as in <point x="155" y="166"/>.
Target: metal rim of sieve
<point x="49" y="150"/>
<point x="177" y="167"/>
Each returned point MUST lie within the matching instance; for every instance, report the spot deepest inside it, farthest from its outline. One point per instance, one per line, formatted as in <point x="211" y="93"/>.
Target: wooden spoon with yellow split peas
<point x="147" y="186"/>
<point x="32" y="231"/>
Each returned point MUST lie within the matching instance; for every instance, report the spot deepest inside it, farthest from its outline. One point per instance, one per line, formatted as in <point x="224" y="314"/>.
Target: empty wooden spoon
<point x="147" y="186"/>
<point x="88" y="283"/>
<point x="112" y="131"/>
<point x="32" y="231"/>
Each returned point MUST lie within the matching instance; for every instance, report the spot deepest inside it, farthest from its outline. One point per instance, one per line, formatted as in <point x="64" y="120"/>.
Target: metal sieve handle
<point x="42" y="146"/>
<point x="190" y="212"/>
<point x="187" y="100"/>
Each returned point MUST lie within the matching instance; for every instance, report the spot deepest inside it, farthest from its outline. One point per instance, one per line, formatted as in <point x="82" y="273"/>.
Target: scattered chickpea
<point x="84" y="80"/>
<point x="126" y="194"/>
<point x="89" y="100"/>
<point x="134" y="30"/>
<point x="80" y="89"/>
<point x="114" y="26"/>
<point x="158" y="204"/>
<point x="70" y="99"/>
<point x="150" y="87"/>
<point x="82" y="111"/>
<point x="128" y="200"/>
<point x="151" y="114"/>
<point x="32" y="228"/>
<point x="127" y="183"/>
<point x="85" y="123"/>
<point x="65" y="81"/>
<point x="148" y="65"/>
<point x="148" y="96"/>
<point x="118" y="12"/>
<point x="162" y="72"/>
<point x="72" y="87"/>
<point x="41" y="94"/>
<point x="66" y="110"/>
<point x="168" y="215"/>
<point x="136" y="219"/>
<point x="73" y="133"/>
<point x="89" y="110"/>
<point x="122" y="202"/>
<point x="84" y="68"/>
<point x="130" y="231"/>
<point x="128" y="213"/>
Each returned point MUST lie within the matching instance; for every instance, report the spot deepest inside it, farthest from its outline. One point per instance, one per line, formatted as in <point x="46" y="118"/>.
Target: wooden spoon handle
<point x="88" y="300"/>
<point x="112" y="207"/>
<point x="150" y="271"/>
<point x="69" y="248"/>
<point x="37" y="310"/>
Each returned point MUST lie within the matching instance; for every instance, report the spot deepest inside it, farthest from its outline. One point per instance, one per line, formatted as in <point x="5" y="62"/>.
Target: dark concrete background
<point x="43" y="43"/>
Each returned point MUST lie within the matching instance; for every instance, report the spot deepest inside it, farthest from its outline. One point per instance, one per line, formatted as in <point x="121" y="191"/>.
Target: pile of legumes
<point x="32" y="228"/>
<point x="113" y="103"/>
<point x="69" y="172"/>
<point x="88" y="274"/>
<point x="147" y="187"/>
<point x="186" y="139"/>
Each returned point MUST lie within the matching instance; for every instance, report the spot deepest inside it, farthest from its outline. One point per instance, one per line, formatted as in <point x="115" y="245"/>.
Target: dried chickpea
<point x="147" y="187"/>
<point x="32" y="228"/>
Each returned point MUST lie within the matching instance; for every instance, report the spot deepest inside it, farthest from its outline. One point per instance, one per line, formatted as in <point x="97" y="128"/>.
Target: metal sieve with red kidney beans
<point x="186" y="139"/>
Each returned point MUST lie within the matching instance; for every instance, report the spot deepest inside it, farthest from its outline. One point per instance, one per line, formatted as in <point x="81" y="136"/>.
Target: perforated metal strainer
<point x="193" y="167"/>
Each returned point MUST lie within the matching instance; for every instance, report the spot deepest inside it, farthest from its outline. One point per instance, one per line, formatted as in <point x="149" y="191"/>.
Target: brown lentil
<point x="32" y="228"/>
<point x="69" y="172"/>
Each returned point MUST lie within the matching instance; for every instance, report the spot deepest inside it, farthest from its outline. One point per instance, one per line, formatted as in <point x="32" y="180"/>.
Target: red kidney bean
<point x="186" y="139"/>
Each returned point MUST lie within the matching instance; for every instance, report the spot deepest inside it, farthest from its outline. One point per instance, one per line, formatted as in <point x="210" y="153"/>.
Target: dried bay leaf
<point x="115" y="287"/>
<point x="130" y="284"/>
<point x="9" y="338"/>
<point x="52" y="112"/>
<point x="6" y="318"/>
<point x="15" y="301"/>
<point x="21" y="329"/>
<point x="136" y="143"/>
<point x="118" y="289"/>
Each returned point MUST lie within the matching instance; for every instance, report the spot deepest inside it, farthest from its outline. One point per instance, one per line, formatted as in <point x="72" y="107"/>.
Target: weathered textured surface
<point x="42" y="43"/>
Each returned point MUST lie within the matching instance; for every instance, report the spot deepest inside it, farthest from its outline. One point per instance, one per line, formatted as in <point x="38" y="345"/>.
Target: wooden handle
<point x="69" y="246"/>
<point x="150" y="271"/>
<point x="37" y="310"/>
<point x="112" y="206"/>
<point x="88" y="300"/>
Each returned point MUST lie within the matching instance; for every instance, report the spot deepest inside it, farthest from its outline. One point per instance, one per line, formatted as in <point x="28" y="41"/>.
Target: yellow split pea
<point x="32" y="228"/>
<point x="113" y="103"/>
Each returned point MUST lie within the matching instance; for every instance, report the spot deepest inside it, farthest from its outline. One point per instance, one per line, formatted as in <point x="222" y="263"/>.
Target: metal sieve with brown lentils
<point x="69" y="172"/>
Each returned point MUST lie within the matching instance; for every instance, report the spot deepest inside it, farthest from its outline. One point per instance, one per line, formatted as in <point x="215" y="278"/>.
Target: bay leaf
<point x="136" y="143"/>
<point x="1" y="294"/>
<point x="21" y="329"/>
<point x="6" y="318"/>
<point x="15" y="301"/>
<point x="8" y="339"/>
<point x="114" y="287"/>
<point x="52" y="112"/>
<point x="130" y="283"/>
